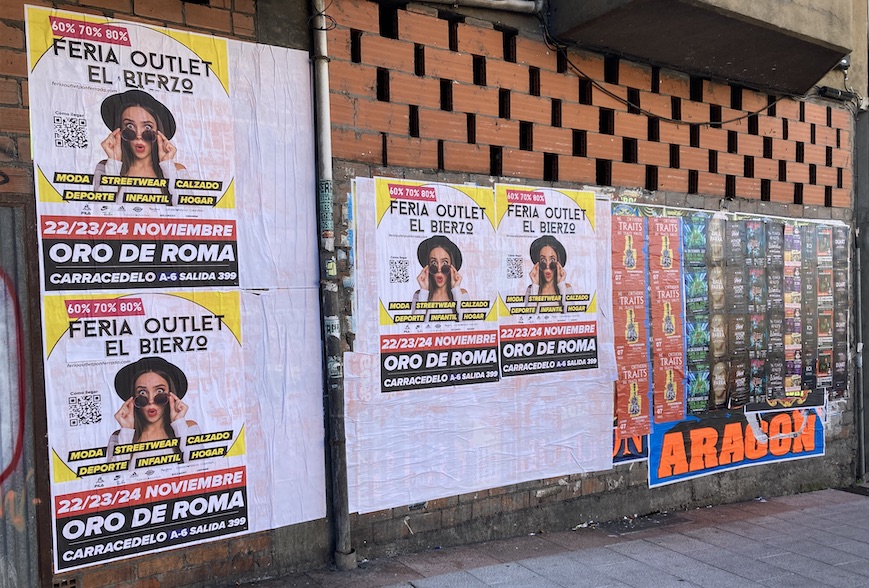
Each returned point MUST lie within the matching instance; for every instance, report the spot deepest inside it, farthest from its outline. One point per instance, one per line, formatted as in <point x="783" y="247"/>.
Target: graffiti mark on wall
<point x="12" y="393"/>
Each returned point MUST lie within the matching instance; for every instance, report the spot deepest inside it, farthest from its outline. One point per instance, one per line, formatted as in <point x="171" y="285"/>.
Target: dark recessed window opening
<point x="713" y="162"/>
<point x="561" y="61"/>
<point x="479" y="70"/>
<point x="556" y="112"/>
<point x="504" y="103"/>
<point x="765" y="186"/>
<point x="812" y="134"/>
<point x="355" y="46"/>
<point x="447" y="95"/>
<point x="839" y="177"/>
<point x="736" y="97"/>
<point x="675" y="108"/>
<point x="838" y="138"/>
<point x="651" y="177"/>
<point x="550" y="167"/>
<point x="580" y="143"/>
<point x="767" y="147"/>
<point x="732" y="141"/>
<point x="633" y="101"/>
<point x="829" y="116"/>
<point x="526" y="136"/>
<point x="603" y="172"/>
<point x="441" y="165"/>
<point x="782" y="171"/>
<point x="383" y="142"/>
<point x="653" y="132"/>
<point x="534" y="81"/>
<point x="496" y="164"/>
<point x="770" y="105"/>
<point x="715" y="116"/>
<point x="382" y="84"/>
<point x="472" y="128"/>
<point x="829" y="158"/>
<point x="813" y="174"/>
<point x="694" y="135"/>
<point x="509" y="36"/>
<point x="828" y="197"/>
<point x="693" y="181"/>
<point x="784" y="129"/>
<point x="674" y="157"/>
<point x="801" y="152"/>
<point x="696" y="89"/>
<point x="413" y="121"/>
<point x="730" y="187"/>
<point x="584" y="91"/>
<point x="656" y="79"/>
<point x="419" y="59"/>
<point x="454" y="20"/>
<point x="798" y="193"/>
<point x="388" y="18"/>
<point x="629" y="150"/>
<point x="748" y="167"/>
<point x="753" y="124"/>
<point x="607" y="124"/>
<point x="611" y="69"/>
<point x="802" y="112"/>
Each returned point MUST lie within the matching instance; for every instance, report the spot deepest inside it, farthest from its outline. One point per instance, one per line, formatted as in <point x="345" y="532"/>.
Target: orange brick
<point x="553" y="140"/>
<point x="798" y="131"/>
<point x="246" y="6"/>
<point x="535" y="53"/>
<point x="480" y="41"/>
<point x="164" y="10"/>
<point x="604" y="146"/>
<point x="20" y="180"/>
<point x="410" y="89"/>
<point x="576" y="169"/>
<point x="243" y="25"/>
<point x="748" y="188"/>
<point x="342" y="110"/>
<point x="677" y="134"/>
<point x="816" y="154"/>
<point x="657" y="104"/>
<point x="11" y="37"/>
<point x="798" y="173"/>
<point x="14" y="9"/>
<point x="411" y="152"/>
<point x="672" y="180"/>
<point x="734" y="120"/>
<point x="825" y="136"/>
<point x="439" y="124"/>
<point x="602" y="96"/>
<point x="563" y="86"/>
<point x="652" y="153"/>
<point x="508" y="76"/>
<point x="475" y="99"/>
<point x="766" y="168"/>
<point x="423" y="29"/>
<point x="842" y="118"/>
<point x="675" y="84"/>
<point x="338" y="42"/>
<point x="496" y="131"/>
<point x="842" y="198"/>
<point x="463" y="157"/>
<point x="13" y="63"/>
<point x="712" y="184"/>
<point x="827" y="176"/>
<point x="117" y="7"/>
<point x="628" y="175"/>
<point x="356" y="14"/>
<point x="387" y="117"/>
<point x="847" y="179"/>
<point x="715" y="93"/>
<point x="389" y="53"/>
<point x="768" y="126"/>
<point x="782" y="149"/>
<point x="580" y="117"/>
<point x="353" y="78"/>
<point x="731" y="164"/>
<point x="750" y="145"/>
<point x="695" y="112"/>
<point x="15" y="120"/>
<point x="108" y="575"/>
<point x="753" y="101"/>
<point x="813" y="195"/>
<point x="530" y="108"/>
<point x="450" y="65"/>
<point x="590" y="64"/>
<point x="635" y="75"/>
<point x="781" y="192"/>
<point x="693" y="158"/>
<point x="24" y="150"/>
<point x="522" y="164"/>
<point x="356" y="146"/>
<point x="788" y="108"/>
<point x="845" y="139"/>
<point x="816" y="113"/>
<point x="9" y="92"/>
<point x="152" y="566"/>
<point x="713" y="139"/>
<point x="206" y="17"/>
<point x="631" y="125"/>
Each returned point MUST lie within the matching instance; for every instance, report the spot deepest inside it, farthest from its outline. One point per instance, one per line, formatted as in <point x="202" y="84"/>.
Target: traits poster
<point x="168" y="186"/>
<point x="547" y="281"/>
<point x="435" y="257"/>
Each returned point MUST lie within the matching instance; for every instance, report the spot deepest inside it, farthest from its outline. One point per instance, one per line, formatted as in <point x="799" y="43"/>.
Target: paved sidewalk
<point x="814" y="539"/>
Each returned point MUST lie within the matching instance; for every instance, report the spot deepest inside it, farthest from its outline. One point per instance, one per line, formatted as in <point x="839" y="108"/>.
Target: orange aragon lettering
<point x="806" y="440"/>
<point x="703" y="454"/>
<point x="780" y="425"/>
<point x="732" y="445"/>
<point x="753" y="448"/>
<point x="673" y="458"/>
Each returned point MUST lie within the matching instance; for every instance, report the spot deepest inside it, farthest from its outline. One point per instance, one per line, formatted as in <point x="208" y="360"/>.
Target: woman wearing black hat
<point x="439" y="280"/>
<point x="139" y="143"/>
<point x="547" y="274"/>
<point x="152" y="390"/>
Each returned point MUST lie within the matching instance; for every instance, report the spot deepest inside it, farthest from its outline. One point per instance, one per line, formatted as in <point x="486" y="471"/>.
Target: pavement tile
<point x="740" y="565"/>
<point x="736" y="543"/>
<point x="570" y="572"/>
<point x="813" y="550"/>
<point x="373" y="574"/>
<point x="583" y="539"/>
<point x="455" y="580"/>
<point x="511" y="575"/>
<point x="791" y="580"/>
<point x="507" y="550"/>
<point x="821" y="572"/>
<point x="445" y="561"/>
<point x="638" y="575"/>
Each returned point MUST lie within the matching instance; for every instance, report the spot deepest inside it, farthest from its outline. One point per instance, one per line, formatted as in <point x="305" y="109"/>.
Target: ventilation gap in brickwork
<point x="715" y="116"/>
<point x="447" y="95"/>
<point x="653" y="129"/>
<point x="782" y="171"/>
<point x="829" y="158"/>
<point x="748" y="167"/>
<point x="730" y="187"/>
<point x="713" y="162"/>
<point x="66" y="583"/>
<point x="509" y="36"/>
<point x="784" y="129"/>
<point x="770" y="105"/>
<point x="674" y="157"/>
<point x="828" y="197"/>
<point x="801" y="152"/>
<point x="504" y="103"/>
<point x="383" y="84"/>
<point x="388" y="18"/>
<point x="611" y="69"/>
<point x="798" y="193"/>
<point x="454" y="35"/>
<point x="695" y="91"/>
<point x="585" y="91"/>
<point x="656" y="79"/>
<point x="603" y="172"/>
<point x="802" y="112"/>
<point x="765" y="190"/>
<point x="561" y="61"/>
<point x="839" y="178"/>
<point x="580" y="143"/>
<point x="607" y="124"/>
<point x="693" y="181"/>
<point x="829" y="116"/>
<point x="753" y="127"/>
<point x="651" y="177"/>
<point x="556" y="112"/>
<point x="629" y="150"/>
<point x="526" y="136"/>
<point x="838" y="138"/>
<point x="383" y="148"/>
<point x="732" y="142"/>
<point x="812" y="134"/>
<point x="736" y="97"/>
<point x="355" y="46"/>
<point x="441" y="165"/>
<point x="694" y="135"/>
<point x="413" y="121"/>
<point x="550" y="167"/>
<point x="767" y="147"/>
<point x="496" y="160"/>
<point x="419" y="59"/>
<point x="633" y="101"/>
<point x="472" y="128"/>
<point x="675" y="108"/>
<point x="479" y="70"/>
<point x="534" y="81"/>
<point x="813" y="174"/>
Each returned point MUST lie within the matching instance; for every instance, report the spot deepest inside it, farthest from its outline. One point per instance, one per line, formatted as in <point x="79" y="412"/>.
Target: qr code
<point x="398" y="271"/>
<point x="71" y="131"/>
<point x="514" y="268"/>
<point x="85" y="410"/>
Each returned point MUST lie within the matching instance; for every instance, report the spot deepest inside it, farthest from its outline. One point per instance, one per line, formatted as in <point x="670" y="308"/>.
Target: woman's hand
<point x="455" y="276"/>
<point x="177" y="408"/>
<point x="422" y="279"/>
<point x="561" y="274"/>
<point x="112" y="145"/>
<point x="535" y="273"/>
<point x="124" y="416"/>
<point x="165" y="149"/>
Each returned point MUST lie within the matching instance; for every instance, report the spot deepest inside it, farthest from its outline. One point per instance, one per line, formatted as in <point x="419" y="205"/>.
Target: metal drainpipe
<point x="345" y="555"/>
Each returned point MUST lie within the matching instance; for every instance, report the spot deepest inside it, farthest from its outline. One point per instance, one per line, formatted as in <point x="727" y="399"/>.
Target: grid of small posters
<point x="630" y="304"/>
<point x="696" y="277"/>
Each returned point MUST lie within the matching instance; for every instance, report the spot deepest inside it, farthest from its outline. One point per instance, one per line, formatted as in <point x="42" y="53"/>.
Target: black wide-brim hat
<point x="114" y="106"/>
<point x="541" y="242"/>
<point x="126" y="376"/>
<point x="424" y="249"/>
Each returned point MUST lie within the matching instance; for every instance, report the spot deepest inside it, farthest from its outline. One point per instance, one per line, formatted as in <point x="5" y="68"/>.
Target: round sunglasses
<point x="160" y="399"/>
<point x="433" y="268"/>
<point x="148" y="135"/>
<point x="553" y="265"/>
